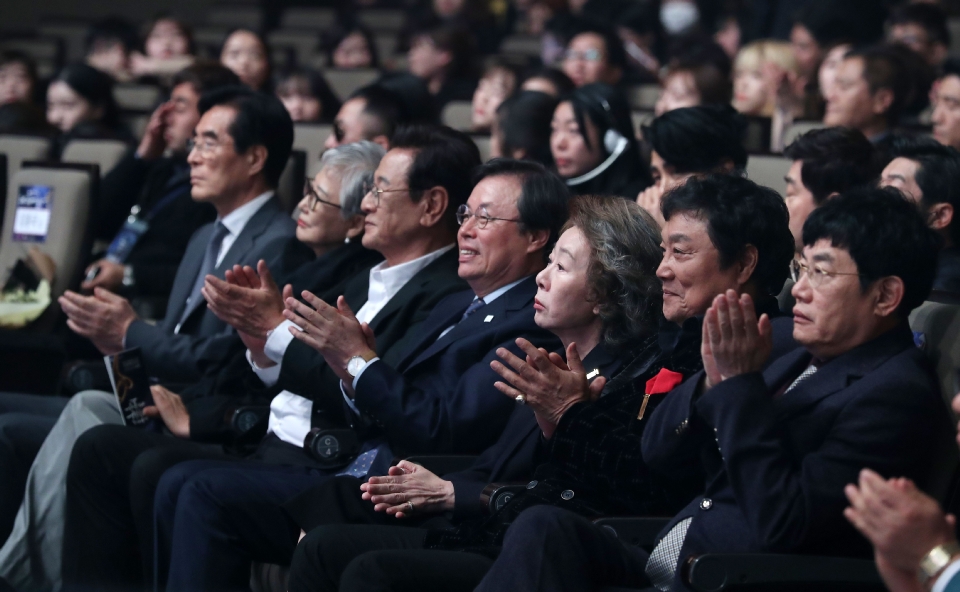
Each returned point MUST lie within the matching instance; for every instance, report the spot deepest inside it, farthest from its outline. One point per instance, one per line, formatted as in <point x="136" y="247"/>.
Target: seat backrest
<point x="136" y="97"/>
<point x="798" y="128"/>
<point x="344" y="82"/>
<point x="768" y="171"/>
<point x="290" y="187"/>
<point x="21" y="148"/>
<point x="936" y="328"/>
<point x="641" y="118"/>
<point x="315" y="19"/>
<point x="49" y="207"/>
<point x="310" y="137"/>
<point x="757" y="137"/>
<point x="382" y="19"/>
<point x="644" y="96"/>
<point x="104" y="153"/>
<point x="232" y="14"/>
<point x="483" y="144"/>
<point x="521" y="45"/>
<point x="458" y="115"/>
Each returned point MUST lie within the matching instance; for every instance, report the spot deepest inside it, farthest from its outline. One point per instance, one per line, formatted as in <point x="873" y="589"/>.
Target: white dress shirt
<point x="236" y="220"/>
<point x="290" y="413"/>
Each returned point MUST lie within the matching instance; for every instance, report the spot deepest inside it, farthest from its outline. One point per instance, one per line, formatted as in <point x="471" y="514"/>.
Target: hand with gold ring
<point x="409" y="488"/>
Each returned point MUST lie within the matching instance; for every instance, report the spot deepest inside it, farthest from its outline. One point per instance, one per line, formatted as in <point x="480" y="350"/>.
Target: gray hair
<point x="354" y="164"/>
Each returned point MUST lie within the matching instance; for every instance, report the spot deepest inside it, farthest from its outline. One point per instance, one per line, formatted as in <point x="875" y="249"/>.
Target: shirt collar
<point x="396" y="275"/>
<point x="237" y="219"/>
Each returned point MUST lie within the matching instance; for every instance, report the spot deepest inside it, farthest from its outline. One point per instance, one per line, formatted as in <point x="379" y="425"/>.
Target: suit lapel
<point x="412" y="288"/>
<point x="516" y="298"/>
<point x="453" y="310"/>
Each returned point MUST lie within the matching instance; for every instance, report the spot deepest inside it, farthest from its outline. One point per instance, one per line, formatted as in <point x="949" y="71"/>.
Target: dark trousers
<point x="25" y="421"/>
<point x="550" y="549"/>
<point x="213" y="519"/>
<point x="111" y="480"/>
<point x="365" y="558"/>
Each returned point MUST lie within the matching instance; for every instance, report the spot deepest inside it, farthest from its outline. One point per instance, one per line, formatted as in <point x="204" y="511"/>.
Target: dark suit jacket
<point x="784" y="460"/>
<point x="440" y="397"/>
<point x="304" y="370"/>
<point x="203" y="338"/>
<point x="231" y="383"/>
<point x="158" y="252"/>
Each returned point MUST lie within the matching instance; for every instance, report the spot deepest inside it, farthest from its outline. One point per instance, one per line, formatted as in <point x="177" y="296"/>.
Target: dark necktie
<point x="476" y="304"/>
<point x="209" y="264"/>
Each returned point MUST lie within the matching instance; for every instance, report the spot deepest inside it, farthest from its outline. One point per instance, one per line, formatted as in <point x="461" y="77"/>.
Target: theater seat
<point x="310" y="138"/>
<point x="290" y="187"/>
<point x="483" y="144"/>
<point x="344" y="82"/>
<point x="936" y="329"/>
<point x="768" y="171"/>
<point x="458" y="115"/>
<point x="103" y="153"/>
<point x="21" y="148"/>
<point x="798" y="129"/>
<point x="67" y="232"/>
<point x="137" y="97"/>
<point x="644" y="96"/>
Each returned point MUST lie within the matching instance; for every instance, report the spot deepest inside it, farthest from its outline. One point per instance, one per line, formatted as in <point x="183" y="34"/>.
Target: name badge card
<point x="31" y="221"/>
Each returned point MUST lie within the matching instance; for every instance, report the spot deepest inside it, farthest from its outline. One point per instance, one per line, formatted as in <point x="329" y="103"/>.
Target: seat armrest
<point x="637" y="531"/>
<point x="755" y="571"/>
<point x="496" y="495"/>
<point x="246" y="419"/>
<point x="441" y="464"/>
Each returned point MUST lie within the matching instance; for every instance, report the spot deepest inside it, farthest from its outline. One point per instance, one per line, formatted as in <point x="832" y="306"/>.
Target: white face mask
<point x="677" y="17"/>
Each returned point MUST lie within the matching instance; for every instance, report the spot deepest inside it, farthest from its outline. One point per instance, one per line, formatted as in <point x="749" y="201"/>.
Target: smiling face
<point x="247" y="58"/>
<point x="902" y="174"/>
<point x="800" y="203"/>
<point x="690" y="270"/>
<point x="570" y="152"/>
<point x="836" y="316"/>
<point x="389" y="225"/>
<point x="564" y="302"/>
<point x="497" y="254"/>
<point x="66" y="108"/>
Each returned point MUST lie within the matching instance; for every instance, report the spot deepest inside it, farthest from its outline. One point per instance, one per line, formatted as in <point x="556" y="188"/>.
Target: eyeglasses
<point x="205" y="146"/>
<point x="589" y="55"/>
<point x="482" y="217"/>
<point x="377" y="192"/>
<point x="815" y="275"/>
<point x="309" y="191"/>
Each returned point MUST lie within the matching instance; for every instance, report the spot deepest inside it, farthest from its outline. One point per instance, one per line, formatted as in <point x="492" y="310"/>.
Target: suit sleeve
<point x="440" y="413"/>
<point x="793" y="503"/>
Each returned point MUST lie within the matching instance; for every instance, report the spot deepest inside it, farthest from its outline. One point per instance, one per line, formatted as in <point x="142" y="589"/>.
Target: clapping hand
<point x="734" y="341"/>
<point x="408" y="489"/>
<point x="247" y="300"/>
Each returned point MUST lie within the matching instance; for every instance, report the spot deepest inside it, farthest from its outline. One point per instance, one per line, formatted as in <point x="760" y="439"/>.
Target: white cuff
<point x="278" y="341"/>
<point x="268" y="376"/>
<point x="363" y="369"/>
<point x="948" y="574"/>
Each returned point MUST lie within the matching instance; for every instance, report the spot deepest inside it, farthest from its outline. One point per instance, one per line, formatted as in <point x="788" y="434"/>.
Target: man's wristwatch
<point x="938" y="558"/>
<point x="356" y="363"/>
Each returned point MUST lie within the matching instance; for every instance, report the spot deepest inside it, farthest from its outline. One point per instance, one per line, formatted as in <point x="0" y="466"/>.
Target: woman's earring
<point x="346" y="241"/>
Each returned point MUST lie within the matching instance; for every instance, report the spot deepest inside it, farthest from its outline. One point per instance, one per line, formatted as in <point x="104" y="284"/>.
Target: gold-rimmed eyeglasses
<point x="377" y="192"/>
<point x="482" y="216"/>
<point x="815" y="274"/>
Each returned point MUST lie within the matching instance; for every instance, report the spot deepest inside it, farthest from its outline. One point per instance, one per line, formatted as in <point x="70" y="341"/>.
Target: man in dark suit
<point x="145" y="208"/>
<point x="779" y="446"/>
<point x="438" y="397"/>
<point x="243" y="141"/>
<point x="121" y="467"/>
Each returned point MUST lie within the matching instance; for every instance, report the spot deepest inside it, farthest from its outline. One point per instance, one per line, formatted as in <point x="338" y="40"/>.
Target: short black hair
<point x="544" y="198"/>
<point x="206" y="75"/>
<point x="13" y="56"/>
<point x="930" y="17"/>
<point x="938" y="172"/>
<point x="833" y="23"/>
<point x="260" y="120"/>
<point x="885" y="234"/>
<point x="835" y="159"/>
<point x="524" y="122"/>
<point x="738" y="213"/>
<point x="445" y="158"/>
<point x="393" y="101"/>
<point x="556" y="77"/>
<point x="887" y="66"/>
<point x="112" y="30"/>
<point x="699" y="139"/>
<point x="950" y="67"/>
<point x="94" y="86"/>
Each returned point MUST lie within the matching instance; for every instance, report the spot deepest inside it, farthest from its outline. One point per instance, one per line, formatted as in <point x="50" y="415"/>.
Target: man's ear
<point x="537" y="240"/>
<point x="889" y="295"/>
<point x="940" y="215"/>
<point x="434" y="202"/>
<point x="381" y="140"/>
<point x="748" y="263"/>
<point x="881" y="101"/>
<point x="256" y="159"/>
<point x="356" y="227"/>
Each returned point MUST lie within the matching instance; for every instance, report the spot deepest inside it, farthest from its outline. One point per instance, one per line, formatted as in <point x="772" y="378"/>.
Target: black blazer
<point x="783" y="460"/>
<point x="156" y="256"/>
<point x="440" y="397"/>
<point x="180" y="357"/>
<point x="231" y="383"/>
<point x="304" y="370"/>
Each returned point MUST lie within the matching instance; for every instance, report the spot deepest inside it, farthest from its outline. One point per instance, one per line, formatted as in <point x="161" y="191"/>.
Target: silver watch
<point x="355" y="364"/>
